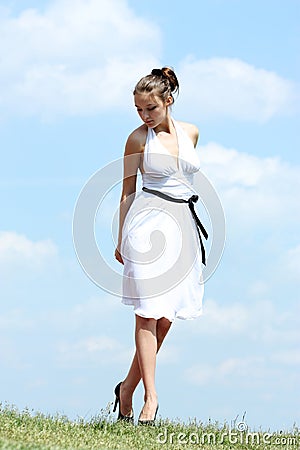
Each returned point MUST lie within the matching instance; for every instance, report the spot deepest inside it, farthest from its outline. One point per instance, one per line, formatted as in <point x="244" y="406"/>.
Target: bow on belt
<point x="193" y="199"/>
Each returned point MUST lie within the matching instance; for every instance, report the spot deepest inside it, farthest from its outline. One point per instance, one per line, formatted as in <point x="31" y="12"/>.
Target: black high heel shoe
<point x="117" y="401"/>
<point x="148" y="422"/>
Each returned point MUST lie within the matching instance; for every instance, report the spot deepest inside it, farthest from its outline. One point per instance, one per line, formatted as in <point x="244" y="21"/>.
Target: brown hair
<point x="162" y="82"/>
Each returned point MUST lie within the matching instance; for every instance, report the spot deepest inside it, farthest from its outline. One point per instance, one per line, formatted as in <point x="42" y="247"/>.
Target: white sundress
<point x="162" y="274"/>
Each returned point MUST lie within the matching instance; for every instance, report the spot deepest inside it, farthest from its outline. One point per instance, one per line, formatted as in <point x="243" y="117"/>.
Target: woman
<point x="165" y="284"/>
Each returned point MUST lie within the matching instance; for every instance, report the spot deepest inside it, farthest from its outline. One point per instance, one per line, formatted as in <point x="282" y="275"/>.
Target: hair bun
<point x="170" y="75"/>
<point x="157" y="72"/>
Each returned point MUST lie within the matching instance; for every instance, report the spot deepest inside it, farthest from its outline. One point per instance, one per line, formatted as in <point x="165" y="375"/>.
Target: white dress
<point x="162" y="274"/>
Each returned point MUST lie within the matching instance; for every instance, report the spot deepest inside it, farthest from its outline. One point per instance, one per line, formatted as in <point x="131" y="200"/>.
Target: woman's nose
<point x="145" y="115"/>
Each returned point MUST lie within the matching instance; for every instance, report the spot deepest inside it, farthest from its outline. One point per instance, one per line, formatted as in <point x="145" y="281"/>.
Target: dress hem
<point x="166" y="316"/>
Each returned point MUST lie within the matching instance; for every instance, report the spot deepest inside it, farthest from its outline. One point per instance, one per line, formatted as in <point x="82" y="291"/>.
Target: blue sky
<point x="67" y="73"/>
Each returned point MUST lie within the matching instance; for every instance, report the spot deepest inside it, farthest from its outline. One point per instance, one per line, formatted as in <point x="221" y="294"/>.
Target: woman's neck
<point x="166" y="125"/>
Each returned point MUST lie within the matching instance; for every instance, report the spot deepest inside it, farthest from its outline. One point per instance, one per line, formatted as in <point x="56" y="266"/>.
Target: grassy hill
<point x="35" y="431"/>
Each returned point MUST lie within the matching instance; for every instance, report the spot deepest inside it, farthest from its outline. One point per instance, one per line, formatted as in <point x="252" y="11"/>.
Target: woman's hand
<point x="118" y="256"/>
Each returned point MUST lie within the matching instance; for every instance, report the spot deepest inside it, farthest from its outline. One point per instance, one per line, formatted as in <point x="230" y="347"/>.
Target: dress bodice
<point x="168" y="173"/>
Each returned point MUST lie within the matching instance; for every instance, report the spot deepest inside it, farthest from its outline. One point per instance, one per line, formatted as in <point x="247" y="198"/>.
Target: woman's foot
<point x="125" y="403"/>
<point x="126" y="400"/>
<point x="149" y="411"/>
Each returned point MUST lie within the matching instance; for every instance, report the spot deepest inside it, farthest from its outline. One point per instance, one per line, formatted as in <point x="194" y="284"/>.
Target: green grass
<point x="35" y="431"/>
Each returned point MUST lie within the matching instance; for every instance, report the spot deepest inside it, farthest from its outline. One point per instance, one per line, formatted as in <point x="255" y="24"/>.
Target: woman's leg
<point x="146" y="348"/>
<point x="134" y="375"/>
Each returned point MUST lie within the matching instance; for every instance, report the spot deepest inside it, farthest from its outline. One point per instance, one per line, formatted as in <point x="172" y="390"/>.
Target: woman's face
<point x="151" y="109"/>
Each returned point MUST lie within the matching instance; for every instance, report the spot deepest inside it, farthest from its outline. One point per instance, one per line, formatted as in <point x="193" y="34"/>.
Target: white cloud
<point x="224" y="371"/>
<point x="10" y="355"/>
<point x="17" y="250"/>
<point x="84" y="56"/>
<point x="257" y="321"/>
<point x="92" y="345"/>
<point x="245" y="371"/>
<point x="289" y="357"/>
<point x="253" y="190"/>
<point x="228" y="87"/>
<point x="220" y="318"/>
<point x="82" y="316"/>
<point x="76" y="57"/>
<point x="15" y="321"/>
<point x="259" y="289"/>
<point x="169" y="354"/>
<point x="262" y="209"/>
<point x="93" y="351"/>
<point x="291" y="261"/>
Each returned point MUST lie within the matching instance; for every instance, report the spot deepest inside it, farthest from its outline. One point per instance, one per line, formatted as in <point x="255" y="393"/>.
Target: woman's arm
<point x="131" y="164"/>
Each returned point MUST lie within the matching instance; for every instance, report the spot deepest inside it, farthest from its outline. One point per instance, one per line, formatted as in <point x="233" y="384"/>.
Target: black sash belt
<point x="193" y="199"/>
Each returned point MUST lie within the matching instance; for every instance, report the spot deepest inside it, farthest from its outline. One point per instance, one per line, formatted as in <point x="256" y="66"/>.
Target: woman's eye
<point x="151" y="109"/>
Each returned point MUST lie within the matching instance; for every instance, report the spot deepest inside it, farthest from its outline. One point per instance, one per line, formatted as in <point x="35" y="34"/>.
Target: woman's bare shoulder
<point x="137" y="139"/>
<point x="191" y="130"/>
